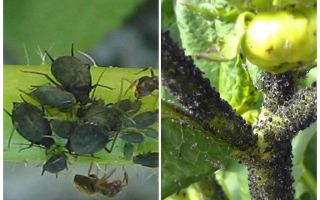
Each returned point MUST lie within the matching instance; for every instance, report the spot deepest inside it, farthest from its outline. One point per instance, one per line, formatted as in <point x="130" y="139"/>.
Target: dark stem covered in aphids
<point x="185" y="81"/>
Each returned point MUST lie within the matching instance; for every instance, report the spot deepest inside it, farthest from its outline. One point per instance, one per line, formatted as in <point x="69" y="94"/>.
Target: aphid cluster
<point x="66" y="110"/>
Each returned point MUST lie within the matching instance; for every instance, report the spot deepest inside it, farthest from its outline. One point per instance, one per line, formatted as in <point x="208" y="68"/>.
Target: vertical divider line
<point x="159" y="96"/>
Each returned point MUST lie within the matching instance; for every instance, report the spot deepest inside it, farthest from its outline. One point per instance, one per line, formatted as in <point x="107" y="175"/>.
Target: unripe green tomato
<point x="281" y="41"/>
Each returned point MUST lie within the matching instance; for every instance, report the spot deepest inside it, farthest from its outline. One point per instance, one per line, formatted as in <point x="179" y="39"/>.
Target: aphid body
<point x="31" y="124"/>
<point x="55" y="164"/>
<point x="53" y="97"/>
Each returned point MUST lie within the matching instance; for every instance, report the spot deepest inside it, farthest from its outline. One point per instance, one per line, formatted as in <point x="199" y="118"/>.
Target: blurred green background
<point x="113" y="32"/>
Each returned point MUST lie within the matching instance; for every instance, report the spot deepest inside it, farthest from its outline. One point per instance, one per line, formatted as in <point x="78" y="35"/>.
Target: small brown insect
<point x="145" y="85"/>
<point x="92" y="184"/>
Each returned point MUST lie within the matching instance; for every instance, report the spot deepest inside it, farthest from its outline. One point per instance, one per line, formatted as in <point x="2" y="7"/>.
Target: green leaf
<point x="304" y="162"/>
<point x="54" y="25"/>
<point x="188" y="155"/>
<point x="197" y="34"/>
<point x="168" y="19"/>
<point x="14" y="79"/>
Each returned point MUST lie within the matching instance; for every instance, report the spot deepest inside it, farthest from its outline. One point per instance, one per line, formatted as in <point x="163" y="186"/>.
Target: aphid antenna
<point x="10" y="137"/>
<point x="97" y="84"/>
<point x="37" y="86"/>
<point x="145" y="69"/>
<point x="72" y="50"/>
<point x="127" y="90"/>
<point x="24" y="92"/>
<point x="43" y="74"/>
<point x="88" y="56"/>
<point x="50" y="57"/>
<point x="23" y="99"/>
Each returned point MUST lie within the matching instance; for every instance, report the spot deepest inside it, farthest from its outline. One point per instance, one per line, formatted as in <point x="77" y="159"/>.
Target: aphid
<point x="53" y="97"/>
<point x="63" y="128"/>
<point x="31" y="124"/>
<point x="145" y="85"/>
<point x="145" y="119"/>
<point x="91" y="184"/>
<point x="55" y="164"/>
<point x="132" y="136"/>
<point x="87" y="139"/>
<point x="128" y="151"/>
<point x="150" y="132"/>
<point x="99" y="114"/>
<point x="150" y="159"/>
<point x="127" y="106"/>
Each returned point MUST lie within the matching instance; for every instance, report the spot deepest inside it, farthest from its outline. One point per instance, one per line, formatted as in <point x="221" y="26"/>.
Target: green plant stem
<point x="14" y="79"/>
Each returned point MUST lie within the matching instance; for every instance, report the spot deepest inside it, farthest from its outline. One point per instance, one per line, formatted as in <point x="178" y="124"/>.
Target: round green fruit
<point x="281" y="41"/>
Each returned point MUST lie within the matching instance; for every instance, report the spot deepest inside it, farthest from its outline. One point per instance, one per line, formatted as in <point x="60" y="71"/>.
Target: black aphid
<point x="145" y="119"/>
<point x="31" y="124"/>
<point x="127" y="106"/>
<point x="63" y="128"/>
<point x="88" y="139"/>
<point x="102" y="115"/>
<point x="55" y="164"/>
<point x="53" y="97"/>
<point x="150" y="159"/>
<point x="132" y="136"/>
<point x="150" y="132"/>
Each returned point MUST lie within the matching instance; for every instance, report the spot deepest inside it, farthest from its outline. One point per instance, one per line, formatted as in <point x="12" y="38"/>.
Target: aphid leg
<point x="43" y="170"/>
<point x="43" y="74"/>
<point x="132" y="84"/>
<point x="94" y="87"/>
<point x="28" y="147"/>
<point x="113" y="142"/>
<point x="24" y="92"/>
<point x="8" y="113"/>
<point x="10" y="137"/>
